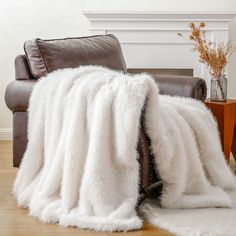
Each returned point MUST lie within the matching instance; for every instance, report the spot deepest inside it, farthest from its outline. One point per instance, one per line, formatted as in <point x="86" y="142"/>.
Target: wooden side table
<point x="225" y="113"/>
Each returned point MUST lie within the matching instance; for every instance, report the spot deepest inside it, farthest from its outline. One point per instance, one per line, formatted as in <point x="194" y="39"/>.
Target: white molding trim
<point x="162" y="21"/>
<point x="155" y="29"/>
<point x="159" y="16"/>
<point x="5" y="134"/>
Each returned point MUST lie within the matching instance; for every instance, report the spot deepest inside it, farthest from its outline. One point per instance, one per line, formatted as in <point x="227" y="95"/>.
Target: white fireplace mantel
<point x="150" y="40"/>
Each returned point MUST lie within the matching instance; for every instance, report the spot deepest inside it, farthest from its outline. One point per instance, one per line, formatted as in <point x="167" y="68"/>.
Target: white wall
<point x="162" y="5"/>
<point x="232" y="63"/>
<point x="25" y="19"/>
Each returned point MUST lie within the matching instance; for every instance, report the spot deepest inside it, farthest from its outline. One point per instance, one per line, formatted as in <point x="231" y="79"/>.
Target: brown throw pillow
<point x="45" y="56"/>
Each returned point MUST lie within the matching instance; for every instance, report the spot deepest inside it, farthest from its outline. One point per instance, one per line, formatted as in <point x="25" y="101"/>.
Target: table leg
<point x="228" y="131"/>
<point x="233" y="148"/>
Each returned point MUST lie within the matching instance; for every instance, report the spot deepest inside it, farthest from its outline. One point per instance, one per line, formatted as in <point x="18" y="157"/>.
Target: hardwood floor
<point x="15" y="221"/>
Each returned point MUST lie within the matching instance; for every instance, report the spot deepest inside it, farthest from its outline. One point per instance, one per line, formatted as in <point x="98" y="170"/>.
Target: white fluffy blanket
<point x="80" y="167"/>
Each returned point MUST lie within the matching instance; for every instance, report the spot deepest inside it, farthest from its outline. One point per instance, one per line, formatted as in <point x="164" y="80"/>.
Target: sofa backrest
<point x="45" y="56"/>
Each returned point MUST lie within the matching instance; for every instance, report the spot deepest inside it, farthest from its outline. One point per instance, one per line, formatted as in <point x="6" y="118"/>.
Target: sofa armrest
<point x="18" y="93"/>
<point x="185" y="86"/>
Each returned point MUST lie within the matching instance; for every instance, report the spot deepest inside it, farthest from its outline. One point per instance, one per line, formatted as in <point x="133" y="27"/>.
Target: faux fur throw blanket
<point x="80" y="167"/>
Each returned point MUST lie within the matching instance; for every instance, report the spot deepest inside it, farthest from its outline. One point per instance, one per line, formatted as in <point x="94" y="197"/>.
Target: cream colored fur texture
<point x="80" y="167"/>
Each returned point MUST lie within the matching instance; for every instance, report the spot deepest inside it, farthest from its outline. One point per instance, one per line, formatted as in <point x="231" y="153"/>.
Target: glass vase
<point x="219" y="89"/>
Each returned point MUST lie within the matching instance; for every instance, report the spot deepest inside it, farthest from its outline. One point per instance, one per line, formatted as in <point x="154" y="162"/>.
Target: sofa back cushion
<point x="45" y="56"/>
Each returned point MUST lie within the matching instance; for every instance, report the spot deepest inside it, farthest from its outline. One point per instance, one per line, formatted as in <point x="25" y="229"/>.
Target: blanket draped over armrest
<point x="80" y="167"/>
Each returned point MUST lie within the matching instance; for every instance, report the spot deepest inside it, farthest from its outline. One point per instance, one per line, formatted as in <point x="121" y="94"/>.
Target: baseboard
<point x="5" y="134"/>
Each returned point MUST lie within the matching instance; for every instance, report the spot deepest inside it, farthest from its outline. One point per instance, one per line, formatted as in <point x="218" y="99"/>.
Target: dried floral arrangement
<point x="213" y="55"/>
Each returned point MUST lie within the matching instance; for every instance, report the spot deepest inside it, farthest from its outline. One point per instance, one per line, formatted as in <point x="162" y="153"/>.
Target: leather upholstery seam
<point x="85" y="37"/>
<point x="40" y="53"/>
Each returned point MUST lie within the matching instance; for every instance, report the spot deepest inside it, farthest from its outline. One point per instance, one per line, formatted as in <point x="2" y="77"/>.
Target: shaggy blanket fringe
<point x="80" y="166"/>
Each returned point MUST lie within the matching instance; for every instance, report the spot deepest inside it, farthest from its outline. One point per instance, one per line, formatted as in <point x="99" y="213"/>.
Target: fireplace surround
<point x="149" y="40"/>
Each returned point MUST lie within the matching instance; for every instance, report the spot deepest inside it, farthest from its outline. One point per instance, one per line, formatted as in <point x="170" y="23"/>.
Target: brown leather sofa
<point x="44" y="56"/>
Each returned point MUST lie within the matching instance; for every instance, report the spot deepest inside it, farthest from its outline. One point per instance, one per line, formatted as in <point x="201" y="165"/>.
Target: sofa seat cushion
<point x="45" y="56"/>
